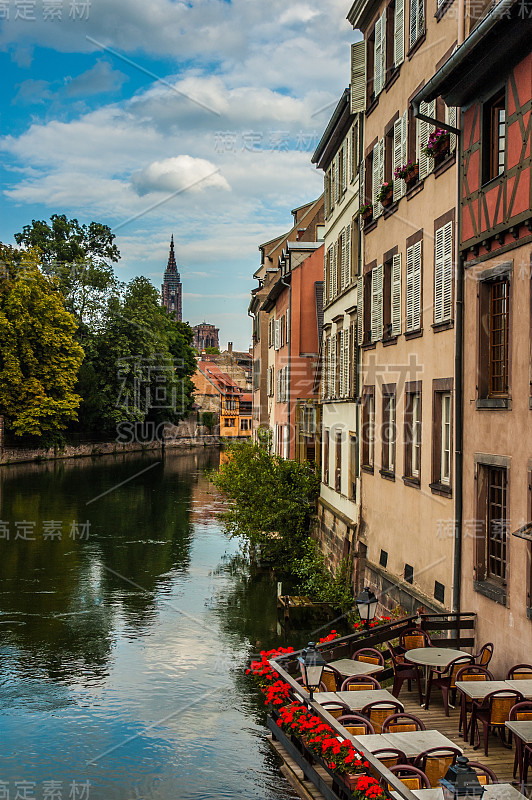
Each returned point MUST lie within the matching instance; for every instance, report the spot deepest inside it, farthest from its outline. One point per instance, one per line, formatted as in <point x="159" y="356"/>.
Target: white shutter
<point x="335" y="269"/>
<point x="358" y="77"/>
<point x="398" y="183"/>
<point x="376" y="303"/>
<point x="342" y="255"/>
<point x="268" y="378"/>
<point x="413" y="22"/>
<point x="410" y="289"/>
<point x="348" y="266"/>
<point x="360" y="309"/>
<point x="331" y="275"/>
<point x="416" y="316"/>
<point x="287" y="325"/>
<point x="426" y="164"/>
<point x="277" y="330"/>
<point x="399" y="33"/>
<point x="438" y="276"/>
<point x="431" y="112"/>
<point x="333" y="370"/>
<point x="378" y="81"/>
<point x="381" y="169"/>
<point x="396" y="295"/>
<point x="443" y="274"/>
<point x="346" y="363"/>
<point x="341" y="365"/>
<point x="450" y="115"/>
<point x="383" y="47"/>
<point x="326" y="276"/>
<point x="345" y="163"/>
<point x="378" y="175"/>
<point x="278" y="379"/>
<point x="404" y="144"/>
<point x="329" y="366"/>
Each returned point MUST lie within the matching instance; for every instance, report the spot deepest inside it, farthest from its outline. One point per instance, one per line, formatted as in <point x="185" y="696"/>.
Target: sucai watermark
<point x="265" y="141"/>
<point x="49" y="530"/>
<point x="471" y="529"/>
<point x="44" y="790"/>
<point x="47" y="10"/>
<point x="150" y="383"/>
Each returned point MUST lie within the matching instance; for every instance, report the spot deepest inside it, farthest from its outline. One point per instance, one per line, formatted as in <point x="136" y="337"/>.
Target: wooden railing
<point x="461" y="625"/>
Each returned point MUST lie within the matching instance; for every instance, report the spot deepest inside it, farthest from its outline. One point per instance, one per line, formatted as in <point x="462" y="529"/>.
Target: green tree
<point x="212" y="351"/>
<point x="39" y="357"/>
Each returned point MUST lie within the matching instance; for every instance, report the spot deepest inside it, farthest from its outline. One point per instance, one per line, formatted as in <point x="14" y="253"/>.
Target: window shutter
<point x="404" y="143"/>
<point x="450" y="113"/>
<point x="348" y="267"/>
<point x="341" y="364"/>
<point x="329" y="368"/>
<point x="398" y="184"/>
<point x="346" y="363"/>
<point x="335" y="269"/>
<point x="431" y="112"/>
<point x="424" y="130"/>
<point x="331" y="272"/>
<point x="278" y="385"/>
<point x="417" y="287"/>
<point x="333" y="364"/>
<point x="346" y="164"/>
<point x="287" y="325"/>
<point x="396" y="295"/>
<point x="376" y="303"/>
<point x="375" y="179"/>
<point x="420" y="18"/>
<point x="399" y="33"/>
<point x="448" y="276"/>
<point x="381" y="172"/>
<point x="377" y="58"/>
<point x="438" y="276"/>
<point x="410" y="289"/>
<point x="326" y="275"/>
<point x="383" y="48"/>
<point x="358" y="77"/>
<point x="342" y="255"/>
<point x="360" y="310"/>
<point x="413" y="22"/>
<point x="268" y="378"/>
<point x="277" y="324"/>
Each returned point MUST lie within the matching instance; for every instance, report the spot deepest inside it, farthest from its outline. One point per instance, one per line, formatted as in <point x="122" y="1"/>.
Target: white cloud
<point x="180" y="173"/>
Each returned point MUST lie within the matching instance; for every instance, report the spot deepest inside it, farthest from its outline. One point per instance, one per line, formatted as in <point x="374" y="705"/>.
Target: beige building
<point x="406" y="307"/>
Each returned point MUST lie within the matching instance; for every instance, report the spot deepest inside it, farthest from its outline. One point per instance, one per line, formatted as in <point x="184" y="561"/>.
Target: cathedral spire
<point x="172" y="266"/>
<point x="171" y="290"/>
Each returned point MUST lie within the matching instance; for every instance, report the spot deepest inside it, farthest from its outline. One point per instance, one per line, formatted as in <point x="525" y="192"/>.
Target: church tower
<point x="171" y="289"/>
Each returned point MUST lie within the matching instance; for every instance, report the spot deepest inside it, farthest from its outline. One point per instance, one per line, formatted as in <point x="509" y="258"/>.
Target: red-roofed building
<point x="217" y="393"/>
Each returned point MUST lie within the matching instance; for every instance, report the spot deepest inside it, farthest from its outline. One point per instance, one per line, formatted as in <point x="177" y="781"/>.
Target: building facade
<point x="205" y="335"/>
<point x="217" y="393"/>
<point x="338" y="155"/>
<point x="172" y="290"/>
<point x="495" y="282"/>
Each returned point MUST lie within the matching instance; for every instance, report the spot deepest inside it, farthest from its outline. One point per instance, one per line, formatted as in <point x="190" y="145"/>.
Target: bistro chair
<point x="521" y="672"/>
<point x="322" y="687"/>
<point x="412" y="777"/>
<point x="527" y="760"/>
<point x="493" y="711"/>
<point x="404" y="672"/>
<point x="413" y="638"/>
<point x="445" y="679"/>
<point x="484" y="774"/>
<point x="484" y="655"/>
<point x="357" y="683"/>
<point x="390" y="757"/>
<point x="401" y="722"/>
<point x="435" y="762"/>
<point x="521" y="711"/>
<point x="356" y="724"/>
<point x="470" y="673"/>
<point x="331" y="678"/>
<point x="335" y="708"/>
<point x="369" y="655"/>
<point x="380" y="710"/>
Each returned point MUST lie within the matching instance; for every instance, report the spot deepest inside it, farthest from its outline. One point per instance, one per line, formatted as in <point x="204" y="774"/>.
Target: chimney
<point x="229" y="347"/>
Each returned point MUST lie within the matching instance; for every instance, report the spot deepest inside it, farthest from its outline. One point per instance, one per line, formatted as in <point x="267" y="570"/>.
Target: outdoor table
<point x="357" y="700"/>
<point x="477" y="690"/>
<point x="522" y="728"/>
<point x="372" y="741"/>
<point x="525" y="687"/>
<point x="347" y="667"/>
<point x="495" y="791"/>
<point x="429" y="657"/>
<point x="412" y="743"/>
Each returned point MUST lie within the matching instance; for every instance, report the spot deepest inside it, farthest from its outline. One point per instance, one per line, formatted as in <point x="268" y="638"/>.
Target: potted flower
<point x="366" y="211"/>
<point x="385" y="195"/>
<point x="408" y="172"/>
<point x="343" y="759"/>
<point x="367" y="788"/>
<point x="439" y="143"/>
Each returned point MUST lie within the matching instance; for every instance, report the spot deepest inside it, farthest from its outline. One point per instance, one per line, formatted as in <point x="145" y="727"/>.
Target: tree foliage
<point x="39" y="356"/>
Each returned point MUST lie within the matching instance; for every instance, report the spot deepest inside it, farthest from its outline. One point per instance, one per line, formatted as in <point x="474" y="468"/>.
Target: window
<point x="244" y="425"/>
<point x="442" y="435"/>
<point x="399" y="33"/>
<point x="230" y="422"/>
<point x="353" y="359"/>
<point x="326" y="456"/>
<point x="320" y="233"/>
<point x="409" y="573"/>
<point x="492" y="523"/>
<point x="399" y="154"/>
<point x="494" y="313"/>
<point x="379" y="55"/>
<point x="392" y="297"/>
<point x="383" y="559"/>
<point x="368" y="427"/>
<point x="443" y="274"/>
<point x="439" y="592"/>
<point x="423" y="130"/>
<point x="353" y="464"/>
<point x="494" y="137"/>
<point x="338" y="466"/>
<point x="378" y="176"/>
<point x="388" y="429"/>
<point x="413" y="287"/>
<point x="368" y="178"/>
<point x="417" y="20"/>
<point x="413" y="430"/>
<point x="354" y="151"/>
<point x="376" y="303"/>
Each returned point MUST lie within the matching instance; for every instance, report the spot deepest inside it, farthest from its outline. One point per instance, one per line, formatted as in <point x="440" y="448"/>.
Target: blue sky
<point x="193" y="118"/>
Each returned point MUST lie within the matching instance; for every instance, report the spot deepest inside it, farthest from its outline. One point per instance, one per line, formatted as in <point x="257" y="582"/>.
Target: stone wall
<point x="335" y="534"/>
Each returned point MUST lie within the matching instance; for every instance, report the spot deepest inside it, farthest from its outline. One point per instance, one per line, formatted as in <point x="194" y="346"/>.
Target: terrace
<point x="311" y="775"/>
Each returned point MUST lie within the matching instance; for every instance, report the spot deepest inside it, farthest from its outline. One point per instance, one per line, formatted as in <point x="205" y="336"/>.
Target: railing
<point x="344" y="648"/>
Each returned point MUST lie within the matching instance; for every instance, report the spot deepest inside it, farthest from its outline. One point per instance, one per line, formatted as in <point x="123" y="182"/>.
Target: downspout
<point x="289" y="334"/>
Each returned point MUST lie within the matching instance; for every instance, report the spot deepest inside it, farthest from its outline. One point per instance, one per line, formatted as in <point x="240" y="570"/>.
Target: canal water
<point x="126" y="621"/>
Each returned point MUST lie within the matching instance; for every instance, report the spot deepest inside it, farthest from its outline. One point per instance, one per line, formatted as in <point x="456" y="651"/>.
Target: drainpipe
<point x="289" y="334"/>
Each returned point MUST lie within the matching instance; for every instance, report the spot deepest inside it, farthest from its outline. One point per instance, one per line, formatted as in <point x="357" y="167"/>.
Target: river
<point x="126" y="621"/>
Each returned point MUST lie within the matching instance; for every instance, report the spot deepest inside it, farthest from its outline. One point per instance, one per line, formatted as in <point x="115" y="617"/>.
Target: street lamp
<point x="311" y="664"/>
<point x="367" y="606"/>
<point x="460" y="781"/>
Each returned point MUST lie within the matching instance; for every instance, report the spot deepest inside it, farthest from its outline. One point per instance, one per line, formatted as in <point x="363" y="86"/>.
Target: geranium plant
<point x="368" y="788"/>
<point x="366" y="208"/>
<point x="385" y="190"/>
<point x="436" y="138"/>
<point x="405" y="170"/>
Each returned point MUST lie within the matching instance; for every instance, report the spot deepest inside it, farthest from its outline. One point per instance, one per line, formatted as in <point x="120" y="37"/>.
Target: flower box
<point x="439" y="143"/>
<point x="387" y="200"/>
<point x="412" y="176"/>
<point x="385" y="194"/>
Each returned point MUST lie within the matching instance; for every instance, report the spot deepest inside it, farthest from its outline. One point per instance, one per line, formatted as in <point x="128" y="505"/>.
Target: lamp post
<point x="461" y="781"/>
<point x="311" y="664"/>
<point x="367" y="606"/>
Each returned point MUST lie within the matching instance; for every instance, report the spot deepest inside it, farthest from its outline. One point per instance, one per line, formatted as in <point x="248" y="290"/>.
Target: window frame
<point x="491" y="167"/>
<point x="368" y="428"/>
<point x="389" y="430"/>
<point x="441" y="388"/>
<point x="413" y="431"/>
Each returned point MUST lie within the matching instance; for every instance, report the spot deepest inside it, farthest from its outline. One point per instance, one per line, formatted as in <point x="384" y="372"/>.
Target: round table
<point x="432" y="657"/>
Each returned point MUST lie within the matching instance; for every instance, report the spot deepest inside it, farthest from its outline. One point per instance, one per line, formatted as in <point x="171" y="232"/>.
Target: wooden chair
<point x="484" y="655"/>
<point x="470" y="673"/>
<point x="401" y="722"/>
<point x="380" y="710"/>
<point x="445" y="679"/>
<point x="521" y="672"/>
<point x="404" y="672"/>
<point x="357" y="683"/>
<point x="412" y="777"/>
<point x="493" y="711"/>
<point x="331" y="678"/>
<point x="356" y="724"/>
<point x="335" y="708"/>
<point x="390" y="757"/>
<point x="369" y="656"/>
<point x="521" y="711"/>
<point x="484" y="774"/>
<point x="435" y="762"/>
<point x="322" y="688"/>
<point x="413" y="638"/>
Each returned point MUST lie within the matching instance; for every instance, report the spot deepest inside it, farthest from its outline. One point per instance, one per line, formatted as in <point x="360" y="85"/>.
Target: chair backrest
<point x="484" y="655"/>
<point x="355" y="724"/>
<point x="473" y="672"/>
<point x="435" y="762"/>
<point x="322" y="688"/>
<point x="413" y="638"/>
<point x="455" y="666"/>
<point x="521" y="711"/>
<point x="401" y="722"/>
<point x="356" y="683"/>
<point x="521" y="672"/>
<point x="500" y="704"/>
<point x="390" y="756"/>
<point x="484" y="774"/>
<point x="369" y="655"/>
<point x="380" y="710"/>
<point x="335" y="708"/>
<point x="412" y="777"/>
<point x="331" y="678"/>
<point x="396" y="656"/>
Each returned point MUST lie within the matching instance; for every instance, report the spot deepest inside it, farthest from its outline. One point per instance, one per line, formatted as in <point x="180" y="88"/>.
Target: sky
<point x="156" y="117"/>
